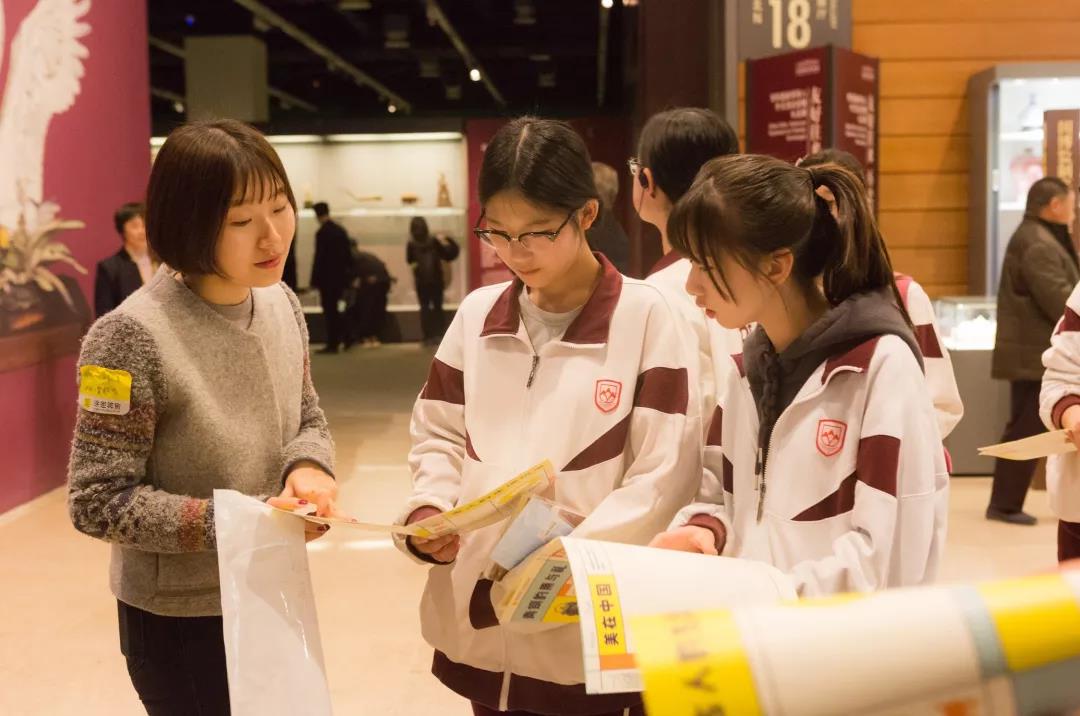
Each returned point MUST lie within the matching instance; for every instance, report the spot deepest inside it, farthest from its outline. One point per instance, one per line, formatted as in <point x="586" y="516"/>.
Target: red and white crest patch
<point x="830" y="437"/>
<point x="607" y="395"/>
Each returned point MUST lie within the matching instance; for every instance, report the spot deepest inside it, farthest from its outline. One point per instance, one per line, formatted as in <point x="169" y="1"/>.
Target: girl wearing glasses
<point x="570" y="362"/>
<point x="825" y="435"/>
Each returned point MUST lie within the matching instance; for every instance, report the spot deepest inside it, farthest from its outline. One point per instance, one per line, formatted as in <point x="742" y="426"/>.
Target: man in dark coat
<point x="1039" y="272"/>
<point x="123" y="273"/>
<point x="331" y="273"/>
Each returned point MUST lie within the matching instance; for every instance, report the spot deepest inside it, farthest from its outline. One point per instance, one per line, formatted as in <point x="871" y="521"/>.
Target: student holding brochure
<point x="1060" y="410"/>
<point x="570" y="361"/>
<point x="826" y="438"/>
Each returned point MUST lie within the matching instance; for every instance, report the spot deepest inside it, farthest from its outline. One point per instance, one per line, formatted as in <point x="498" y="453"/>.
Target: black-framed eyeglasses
<point x="500" y="239"/>
<point x="634" y="165"/>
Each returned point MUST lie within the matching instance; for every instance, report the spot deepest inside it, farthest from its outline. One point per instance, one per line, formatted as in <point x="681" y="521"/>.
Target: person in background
<point x="1037" y="276"/>
<point x="937" y="364"/>
<point x="607" y="235"/>
<point x="425" y="255"/>
<point x="367" y="309"/>
<point x="331" y="273"/>
<point x="123" y="273"/>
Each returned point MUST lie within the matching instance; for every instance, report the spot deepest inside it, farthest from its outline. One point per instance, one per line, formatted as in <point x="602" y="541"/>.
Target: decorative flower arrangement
<point x="27" y="256"/>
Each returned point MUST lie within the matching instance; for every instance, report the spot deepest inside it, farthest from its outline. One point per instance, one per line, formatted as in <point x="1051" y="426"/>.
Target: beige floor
<point x="58" y="642"/>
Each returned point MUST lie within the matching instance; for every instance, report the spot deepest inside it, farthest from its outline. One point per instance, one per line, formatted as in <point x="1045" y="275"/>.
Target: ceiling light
<point x="474" y="75"/>
<point x="607" y="4"/>
<point x="391" y="108"/>
<point x="179" y="107"/>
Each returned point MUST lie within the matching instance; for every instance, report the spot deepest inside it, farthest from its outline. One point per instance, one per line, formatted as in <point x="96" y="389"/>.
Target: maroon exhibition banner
<point x="802" y="102"/>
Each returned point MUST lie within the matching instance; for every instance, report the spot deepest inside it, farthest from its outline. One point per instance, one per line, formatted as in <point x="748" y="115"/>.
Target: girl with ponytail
<point x="825" y="435"/>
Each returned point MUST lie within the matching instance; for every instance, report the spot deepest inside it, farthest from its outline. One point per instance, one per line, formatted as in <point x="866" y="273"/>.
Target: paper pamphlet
<point x="539" y="521"/>
<point x="600" y="585"/>
<point x="1044" y="445"/>
<point x="1000" y="648"/>
<point x="485" y="510"/>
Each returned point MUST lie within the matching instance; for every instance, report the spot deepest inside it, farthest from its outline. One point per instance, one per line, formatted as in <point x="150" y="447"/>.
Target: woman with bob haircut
<point x="199" y="381"/>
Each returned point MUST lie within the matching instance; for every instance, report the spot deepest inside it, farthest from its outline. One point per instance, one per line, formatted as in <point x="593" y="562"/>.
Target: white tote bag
<point x="272" y="645"/>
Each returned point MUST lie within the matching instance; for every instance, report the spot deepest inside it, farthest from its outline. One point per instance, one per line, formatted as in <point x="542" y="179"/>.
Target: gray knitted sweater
<point x="212" y="405"/>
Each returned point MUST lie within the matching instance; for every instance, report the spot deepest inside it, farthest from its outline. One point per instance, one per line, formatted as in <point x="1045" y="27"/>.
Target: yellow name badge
<point x="105" y="391"/>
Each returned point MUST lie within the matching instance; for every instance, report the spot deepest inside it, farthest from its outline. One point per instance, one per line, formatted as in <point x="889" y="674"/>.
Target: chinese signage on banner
<point x="1062" y="150"/>
<point x="802" y="102"/>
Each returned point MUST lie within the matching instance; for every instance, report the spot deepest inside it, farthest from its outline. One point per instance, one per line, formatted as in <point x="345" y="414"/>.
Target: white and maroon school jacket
<point x="937" y="364"/>
<point x="1061" y="391"/>
<point x="609" y="404"/>
<point x="856" y="494"/>
<point x="712" y="343"/>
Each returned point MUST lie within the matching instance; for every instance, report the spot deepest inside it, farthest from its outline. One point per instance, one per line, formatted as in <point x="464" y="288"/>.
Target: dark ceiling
<point x="548" y="65"/>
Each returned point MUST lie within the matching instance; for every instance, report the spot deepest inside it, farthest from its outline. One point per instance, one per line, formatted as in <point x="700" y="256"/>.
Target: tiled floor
<point x="58" y="641"/>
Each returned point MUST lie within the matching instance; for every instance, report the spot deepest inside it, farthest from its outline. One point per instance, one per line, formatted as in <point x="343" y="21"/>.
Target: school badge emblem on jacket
<point x="830" y="437"/>
<point x="608" y="394"/>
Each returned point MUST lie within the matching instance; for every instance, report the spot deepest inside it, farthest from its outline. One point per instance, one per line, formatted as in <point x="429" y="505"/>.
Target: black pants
<point x="177" y="664"/>
<point x="335" y="324"/>
<point x="432" y="321"/>
<point x="368" y="313"/>
<point x="1012" y="478"/>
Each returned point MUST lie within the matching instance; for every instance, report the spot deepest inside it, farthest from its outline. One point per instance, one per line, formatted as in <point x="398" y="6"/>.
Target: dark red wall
<point x="97" y="157"/>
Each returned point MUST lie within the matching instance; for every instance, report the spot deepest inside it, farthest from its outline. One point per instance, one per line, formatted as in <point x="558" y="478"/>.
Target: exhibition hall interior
<point x="539" y="357"/>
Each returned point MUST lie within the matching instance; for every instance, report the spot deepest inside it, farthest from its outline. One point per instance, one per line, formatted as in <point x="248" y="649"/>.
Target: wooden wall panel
<point x="923" y="117"/>
<point x="1018" y="40"/>
<point x="929" y="154"/>
<point x="932" y="266"/>
<point x="923" y="191"/>
<point x="928" y="78"/>
<point x="928" y="50"/>
<point x="923" y="229"/>
<point x="897" y="11"/>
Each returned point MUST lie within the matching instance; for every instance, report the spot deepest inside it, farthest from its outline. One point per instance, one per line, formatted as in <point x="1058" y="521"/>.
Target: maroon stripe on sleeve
<point x="878" y="462"/>
<point x="839" y="502"/>
<point x="663" y="389"/>
<point x="876" y="467"/>
<point x="716" y="428"/>
<point x="609" y="445"/>
<point x="714" y="525"/>
<point x="1062" y="405"/>
<point x="445" y="384"/>
<point x="1070" y="322"/>
<point x="928" y="342"/>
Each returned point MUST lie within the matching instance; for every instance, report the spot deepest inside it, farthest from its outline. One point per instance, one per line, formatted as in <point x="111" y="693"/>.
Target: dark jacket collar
<point x="592" y="325"/>
<point x="1061" y="234"/>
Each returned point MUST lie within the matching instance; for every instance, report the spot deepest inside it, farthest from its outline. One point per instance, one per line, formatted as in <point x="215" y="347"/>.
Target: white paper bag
<point x="272" y="645"/>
